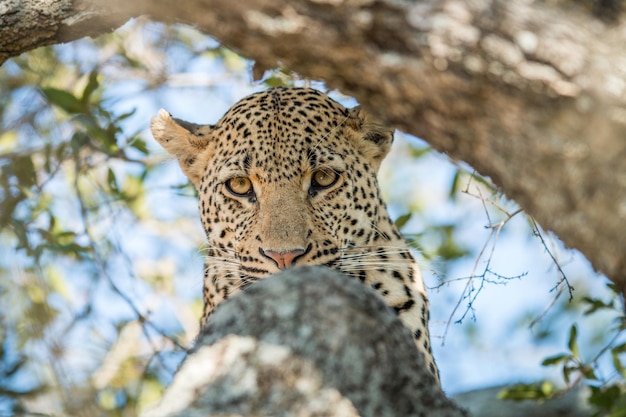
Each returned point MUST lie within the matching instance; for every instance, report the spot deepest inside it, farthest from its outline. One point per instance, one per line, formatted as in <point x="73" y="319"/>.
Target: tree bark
<point x="330" y="347"/>
<point x="531" y="94"/>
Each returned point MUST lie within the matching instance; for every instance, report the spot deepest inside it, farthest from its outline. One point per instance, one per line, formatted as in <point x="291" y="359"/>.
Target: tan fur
<point x="279" y="139"/>
<point x="189" y="148"/>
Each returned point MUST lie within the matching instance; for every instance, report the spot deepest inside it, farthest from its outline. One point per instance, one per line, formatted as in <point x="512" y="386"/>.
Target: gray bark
<point x="29" y="24"/>
<point x="328" y="347"/>
<point x="531" y="94"/>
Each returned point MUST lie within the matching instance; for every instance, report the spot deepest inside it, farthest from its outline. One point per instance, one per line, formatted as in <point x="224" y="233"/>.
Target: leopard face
<point x="288" y="177"/>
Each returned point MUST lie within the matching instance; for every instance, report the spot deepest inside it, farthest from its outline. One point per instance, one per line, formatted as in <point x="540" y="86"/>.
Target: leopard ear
<point x="187" y="141"/>
<point x="372" y="139"/>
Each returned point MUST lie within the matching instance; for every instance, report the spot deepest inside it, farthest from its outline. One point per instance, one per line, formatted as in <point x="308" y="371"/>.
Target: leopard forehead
<point x="278" y="133"/>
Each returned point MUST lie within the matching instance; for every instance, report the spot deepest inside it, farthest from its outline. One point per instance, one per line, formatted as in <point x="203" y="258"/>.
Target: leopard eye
<point x="239" y="186"/>
<point x="324" y="178"/>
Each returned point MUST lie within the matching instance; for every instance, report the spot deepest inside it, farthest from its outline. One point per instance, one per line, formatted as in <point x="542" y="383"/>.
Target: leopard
<point x="288" y="177"/>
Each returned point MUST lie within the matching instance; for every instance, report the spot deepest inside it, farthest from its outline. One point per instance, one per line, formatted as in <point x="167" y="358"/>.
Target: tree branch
<point x="330" y="346"/>
<point x="531" y="94"/>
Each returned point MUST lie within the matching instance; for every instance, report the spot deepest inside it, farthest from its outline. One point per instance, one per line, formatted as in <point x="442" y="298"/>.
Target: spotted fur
<point x="279" y="142"/>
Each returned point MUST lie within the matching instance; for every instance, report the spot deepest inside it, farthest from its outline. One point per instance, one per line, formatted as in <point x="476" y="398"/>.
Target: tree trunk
<point x="330" y="347"/>
<point x="531" y="94"/>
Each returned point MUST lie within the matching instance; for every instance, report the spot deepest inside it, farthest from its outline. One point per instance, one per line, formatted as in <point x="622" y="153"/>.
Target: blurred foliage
<point x="95" y="311"/>
<point x="607" y="391"/>
<point x="75" y="172"/>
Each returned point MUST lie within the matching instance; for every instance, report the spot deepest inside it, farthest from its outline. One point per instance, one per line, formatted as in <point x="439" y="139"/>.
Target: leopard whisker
<point x="377" y="253"/>
<point x="323" y="138"/>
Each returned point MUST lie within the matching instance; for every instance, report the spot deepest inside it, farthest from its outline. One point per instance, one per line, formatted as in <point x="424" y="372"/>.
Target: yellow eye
<point x="324" y="178"/>
<point x="239" y="186"/>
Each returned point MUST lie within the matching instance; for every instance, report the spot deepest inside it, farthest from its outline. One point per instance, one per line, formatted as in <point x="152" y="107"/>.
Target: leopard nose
<point x="283" y="259"/>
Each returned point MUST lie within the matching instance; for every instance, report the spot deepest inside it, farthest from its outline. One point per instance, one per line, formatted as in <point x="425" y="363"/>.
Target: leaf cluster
<point x="73" y="171"/>
<point x="607" y="392"/>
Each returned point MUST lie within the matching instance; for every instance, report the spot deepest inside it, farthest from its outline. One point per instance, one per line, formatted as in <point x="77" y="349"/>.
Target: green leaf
<point x="125" y="116"/>
<point x="521" y="392"/>
<point x="59" y="152"/>
<point x="567" y="371"/>
<point x="617" y="362"/>
<point x="25" y="171"/>
<point x="556" y="359"/>
<point x="418" y="152"/>
<point x="608" y="398"/>
<point x="275" y="82"/>
<point x="140" y="145"/>
<point x="402" y="220"/>
<point x="596" y="304"/>
<point x="63" y="99"/>
<point x="47" y="152"/>
<point x="92" y="85"/>
<point x="449" y="249"/>
<point x="455" y="184"/>
<point x="572" y="344"/>
<point x="79" y="139"/>
<point x="614" y="287"/>
<point x="112" y="181"/>
<point x="619" y="348"/>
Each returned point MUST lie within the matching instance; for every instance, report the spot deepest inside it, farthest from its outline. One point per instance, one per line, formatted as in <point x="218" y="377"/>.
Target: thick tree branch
<point x="29" y="24"/>
<point x="531" y="94"/>
<point x="330" y="347"/>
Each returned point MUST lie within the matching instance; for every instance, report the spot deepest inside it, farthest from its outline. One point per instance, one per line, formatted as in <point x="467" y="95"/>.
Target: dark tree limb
<point x="329" y="346"/>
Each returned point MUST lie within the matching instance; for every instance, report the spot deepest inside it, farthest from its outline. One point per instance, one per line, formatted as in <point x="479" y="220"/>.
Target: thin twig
<point x="563" y="279"/>
<point x="469" y="292"/>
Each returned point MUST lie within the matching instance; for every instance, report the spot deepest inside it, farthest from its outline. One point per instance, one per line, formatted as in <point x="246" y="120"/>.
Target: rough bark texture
<point x="531" y="94"/>
<point x="330" y="347"/>
<point x="28" y="24"/>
